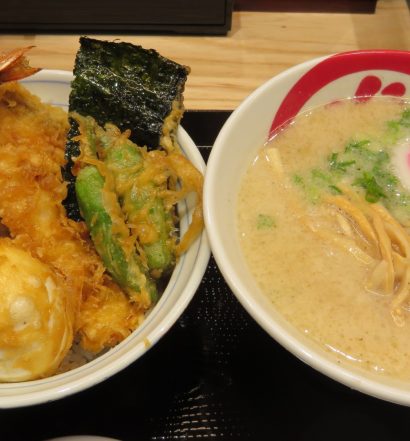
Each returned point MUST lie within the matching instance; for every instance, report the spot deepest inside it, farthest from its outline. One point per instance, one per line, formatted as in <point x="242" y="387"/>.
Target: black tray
<point x="215" y="376"/>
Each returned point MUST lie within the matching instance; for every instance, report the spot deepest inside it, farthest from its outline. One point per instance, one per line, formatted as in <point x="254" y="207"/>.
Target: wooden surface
<point x="225" y="69"/>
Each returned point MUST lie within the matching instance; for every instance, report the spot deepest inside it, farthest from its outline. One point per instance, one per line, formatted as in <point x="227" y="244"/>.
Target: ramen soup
<point x="324" y="223"/>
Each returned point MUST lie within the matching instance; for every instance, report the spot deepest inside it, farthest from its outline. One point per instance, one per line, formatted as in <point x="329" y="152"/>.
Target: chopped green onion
<point x="356" y="145"/>
<point x="264" y="222"/>
<point x="340" y="166"/>
<point x="373" y="190"/>
<point x="335" y="189"/>
<point x="297" y="179"/>
<point x="320" y="175"/>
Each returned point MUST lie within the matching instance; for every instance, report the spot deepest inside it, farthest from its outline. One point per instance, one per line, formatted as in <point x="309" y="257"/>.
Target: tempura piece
<point x="36" y="319"/>
<point x="32" y="142"/>
<point x="15" y="66"/>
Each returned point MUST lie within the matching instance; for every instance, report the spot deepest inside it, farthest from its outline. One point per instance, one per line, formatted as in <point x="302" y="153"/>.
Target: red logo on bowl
<point x="337" y="66"/>
<point x="371" y="85"/>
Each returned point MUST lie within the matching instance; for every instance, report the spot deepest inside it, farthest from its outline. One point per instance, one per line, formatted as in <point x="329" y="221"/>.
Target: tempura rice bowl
<point x="53" y="87"/>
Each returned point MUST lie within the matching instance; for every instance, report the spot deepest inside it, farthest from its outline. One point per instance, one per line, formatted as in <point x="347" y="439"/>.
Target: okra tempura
<point x="127" y="197"/>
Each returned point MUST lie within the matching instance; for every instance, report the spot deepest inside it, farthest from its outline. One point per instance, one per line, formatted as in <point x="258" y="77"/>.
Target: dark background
<point x="159" y="16"/>
<point x="215" y="376"/>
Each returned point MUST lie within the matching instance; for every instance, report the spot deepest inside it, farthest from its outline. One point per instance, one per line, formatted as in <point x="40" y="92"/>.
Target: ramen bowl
<point x="360" y="74"/>
<point x="53" y="87"/>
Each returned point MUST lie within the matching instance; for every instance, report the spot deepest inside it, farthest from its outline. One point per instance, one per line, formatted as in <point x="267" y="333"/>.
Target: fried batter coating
<point x="35" y="321"/>
<point x="32" y="141"/>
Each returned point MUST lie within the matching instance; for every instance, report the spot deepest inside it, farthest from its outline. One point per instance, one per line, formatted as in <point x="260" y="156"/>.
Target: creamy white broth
<point x="319" y="287"/>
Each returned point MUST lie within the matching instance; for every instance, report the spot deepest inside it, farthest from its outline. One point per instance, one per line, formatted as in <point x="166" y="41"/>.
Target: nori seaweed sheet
<point x="127" y="85"/>
<point x="72" y="149"/>
<point x="124" y="84"/>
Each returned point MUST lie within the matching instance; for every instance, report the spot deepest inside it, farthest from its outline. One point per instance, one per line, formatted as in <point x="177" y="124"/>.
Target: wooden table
<point x="225" y="69"/>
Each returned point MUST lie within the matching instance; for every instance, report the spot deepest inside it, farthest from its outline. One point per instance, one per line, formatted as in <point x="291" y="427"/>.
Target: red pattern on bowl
<point x="336" y="66"/>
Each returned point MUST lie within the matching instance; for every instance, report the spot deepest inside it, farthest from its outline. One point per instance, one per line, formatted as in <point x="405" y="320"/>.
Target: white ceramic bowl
<point x="54" y="87"/>
<point x="307" y="85"/>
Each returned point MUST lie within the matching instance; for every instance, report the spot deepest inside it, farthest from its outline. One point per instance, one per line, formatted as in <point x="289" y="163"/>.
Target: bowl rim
<point x="310" y="356"/>
<point x="12" y="395"/>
